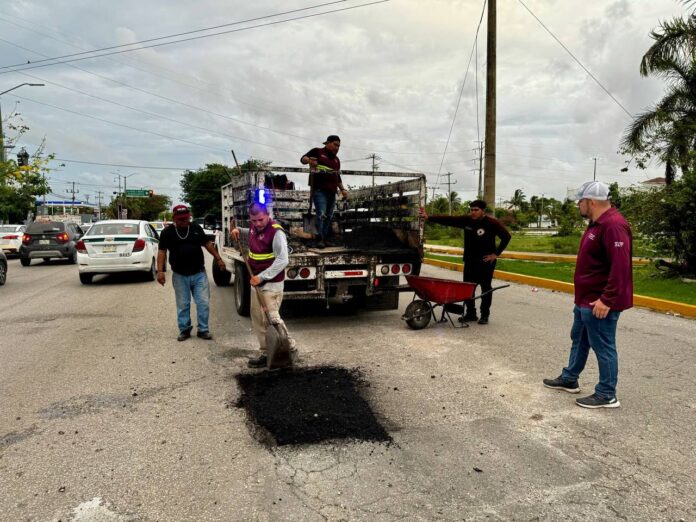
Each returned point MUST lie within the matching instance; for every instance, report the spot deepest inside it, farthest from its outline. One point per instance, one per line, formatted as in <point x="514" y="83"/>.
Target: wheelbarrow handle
<point x="489" y="291"/>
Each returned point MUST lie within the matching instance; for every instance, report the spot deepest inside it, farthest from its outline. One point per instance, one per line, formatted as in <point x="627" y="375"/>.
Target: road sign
<point x="137" y="193"/>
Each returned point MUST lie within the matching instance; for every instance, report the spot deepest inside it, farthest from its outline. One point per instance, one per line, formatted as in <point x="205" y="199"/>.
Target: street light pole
<point x="594" y="174"/>
<point x="125" y="190"/>
<point x="3" y="155"/>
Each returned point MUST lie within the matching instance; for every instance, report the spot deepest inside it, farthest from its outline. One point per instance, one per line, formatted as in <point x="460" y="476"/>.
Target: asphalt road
<point x="104" y="416"/>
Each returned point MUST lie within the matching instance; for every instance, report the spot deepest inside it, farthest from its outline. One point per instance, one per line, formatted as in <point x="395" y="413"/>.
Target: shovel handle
<point x="259" y="293"/>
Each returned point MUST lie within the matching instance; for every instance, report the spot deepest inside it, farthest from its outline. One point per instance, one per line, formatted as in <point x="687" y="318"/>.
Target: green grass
<point x="647" y="280"/>
<point x="546" y="244"/>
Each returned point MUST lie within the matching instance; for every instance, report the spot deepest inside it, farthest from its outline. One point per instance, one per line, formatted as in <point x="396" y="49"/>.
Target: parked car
<point x="116" y="246"/>
<point x="208" y="226"/>
<point x="11" y="238"/>
<point x="3" y="268"/>
<point x="50" y="240"/>
<point x="159" y="226"/>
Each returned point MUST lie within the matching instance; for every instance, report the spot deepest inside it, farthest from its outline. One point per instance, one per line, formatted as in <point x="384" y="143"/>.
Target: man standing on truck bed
<point x="268" y="257"/>
<point x="480" y="251"/>
<point x="325" y="181"/>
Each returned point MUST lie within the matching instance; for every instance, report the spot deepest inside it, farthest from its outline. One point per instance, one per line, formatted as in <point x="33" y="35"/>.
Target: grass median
<point x="647" y="280"/>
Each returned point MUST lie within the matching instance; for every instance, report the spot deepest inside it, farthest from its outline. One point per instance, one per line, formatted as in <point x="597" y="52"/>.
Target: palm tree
<point x="518" y="200"/>
<point x="668" y="129"/>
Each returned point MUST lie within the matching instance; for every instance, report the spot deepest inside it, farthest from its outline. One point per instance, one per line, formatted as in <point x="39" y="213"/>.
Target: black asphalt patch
<point x="309" y="405"/>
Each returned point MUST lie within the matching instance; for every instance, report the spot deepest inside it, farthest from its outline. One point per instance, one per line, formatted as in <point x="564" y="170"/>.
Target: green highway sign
<point x="137" y="193"/>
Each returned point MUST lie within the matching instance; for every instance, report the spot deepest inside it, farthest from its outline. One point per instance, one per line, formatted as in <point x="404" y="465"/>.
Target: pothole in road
<point x="308" y="406"/>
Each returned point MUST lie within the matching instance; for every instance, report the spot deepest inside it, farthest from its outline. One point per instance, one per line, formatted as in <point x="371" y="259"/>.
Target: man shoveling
<point x="268" y="257"/>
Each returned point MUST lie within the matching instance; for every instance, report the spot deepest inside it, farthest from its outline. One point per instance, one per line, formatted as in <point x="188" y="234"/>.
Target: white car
<point x="11" y="238"/>
<point x="120" y="245"/>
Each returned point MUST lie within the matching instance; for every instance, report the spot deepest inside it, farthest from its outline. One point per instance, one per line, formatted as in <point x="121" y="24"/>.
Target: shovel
<point x="309" y="223"/>
<point x="277" y="338"/>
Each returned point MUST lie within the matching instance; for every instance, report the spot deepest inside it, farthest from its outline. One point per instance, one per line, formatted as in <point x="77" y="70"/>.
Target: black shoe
<point x="321" y="244"/>
<point x="483" y="320"/>
<point x="467" y="319"/>
<point x="205" y="335"/>
<point x="560" y="384"/>
<point x="595" y="401"/>
<point x="258" y="362"/>
<point x="184" y="335"/>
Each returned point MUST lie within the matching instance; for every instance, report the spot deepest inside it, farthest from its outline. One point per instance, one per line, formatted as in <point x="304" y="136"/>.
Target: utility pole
<point x="480" y="169"/>
<point x="541" y="209"/>
<point x="72" y="191"/>
<point x="594" y="174"/>
<point x="375" y="166"/>
<point x="433" y="196"/>
<point x="449" y="184"/>
<point x="99" y="200"/>
<point x="491" y="55"/>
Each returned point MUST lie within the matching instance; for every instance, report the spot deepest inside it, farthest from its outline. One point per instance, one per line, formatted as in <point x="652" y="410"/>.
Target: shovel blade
<point x="277" y="348"/>
<point x="309" y="224"/>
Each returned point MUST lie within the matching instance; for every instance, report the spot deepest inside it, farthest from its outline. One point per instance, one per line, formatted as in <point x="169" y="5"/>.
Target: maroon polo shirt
<point x="604" y="267"/>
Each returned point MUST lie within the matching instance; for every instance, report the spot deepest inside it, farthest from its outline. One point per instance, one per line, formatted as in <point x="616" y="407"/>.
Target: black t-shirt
<point x="479" y="235"/>
<point x="184" y="247"/>
<point x="328" y="181"/>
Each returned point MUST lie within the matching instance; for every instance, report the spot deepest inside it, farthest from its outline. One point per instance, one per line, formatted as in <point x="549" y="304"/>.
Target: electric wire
<point x="110" y="53"/>
<point x="577" y="60"/>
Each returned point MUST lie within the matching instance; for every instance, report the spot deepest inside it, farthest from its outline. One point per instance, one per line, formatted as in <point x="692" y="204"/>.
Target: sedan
<point x="117" y="246"/>
<point x="3" y="268"/>
<point x="11" y="238"/>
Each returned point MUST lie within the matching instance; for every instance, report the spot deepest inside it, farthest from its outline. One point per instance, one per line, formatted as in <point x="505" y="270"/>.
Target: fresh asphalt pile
<point x="308" y="406"/>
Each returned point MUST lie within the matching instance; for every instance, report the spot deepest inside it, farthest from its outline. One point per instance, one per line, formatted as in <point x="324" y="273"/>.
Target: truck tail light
<point x="406" y="268"/>
<point x="304" y="272"/>
<point x="139" y="245"/>
<point x="292" y="273"/>
<point x="62" y="237"/>
<point x="384" y="269"/>
<point x="395" y="269"/>
<point x="81" y="248"/>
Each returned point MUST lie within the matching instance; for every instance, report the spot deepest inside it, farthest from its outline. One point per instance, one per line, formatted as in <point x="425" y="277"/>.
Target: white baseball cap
<point x="592" y="190"/>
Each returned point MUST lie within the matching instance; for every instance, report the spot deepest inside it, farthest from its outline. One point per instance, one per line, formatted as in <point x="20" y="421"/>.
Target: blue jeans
<point x="184" y="288"/>
<point x="324" y="205"/>
<point x="600" y="334"/>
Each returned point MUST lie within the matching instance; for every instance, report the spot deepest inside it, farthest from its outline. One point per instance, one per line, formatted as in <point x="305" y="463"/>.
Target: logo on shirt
<point x="618" y="244"/>
<point x="480" y="232"/>
<point x="591" y="236"/>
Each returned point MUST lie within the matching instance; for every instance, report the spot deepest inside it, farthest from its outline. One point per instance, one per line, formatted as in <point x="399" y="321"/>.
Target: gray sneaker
<point x="595" y="401"/>
<point x="560" y="384"/>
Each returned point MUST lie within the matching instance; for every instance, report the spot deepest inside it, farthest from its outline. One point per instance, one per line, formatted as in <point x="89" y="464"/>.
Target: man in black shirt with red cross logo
<point x="480" y="251"/>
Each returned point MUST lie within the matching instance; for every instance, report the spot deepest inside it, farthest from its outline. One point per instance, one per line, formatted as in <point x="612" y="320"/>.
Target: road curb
<point x="524" y="256"/>
<point x="661" y="305"/>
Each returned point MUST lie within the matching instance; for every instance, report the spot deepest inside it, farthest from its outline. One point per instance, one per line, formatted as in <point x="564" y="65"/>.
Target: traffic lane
<point x="454" y="400"/>
<point x="459" y="399"/>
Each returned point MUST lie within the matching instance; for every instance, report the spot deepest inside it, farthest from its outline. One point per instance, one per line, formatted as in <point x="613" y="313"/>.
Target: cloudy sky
<point x="385" y="77"/>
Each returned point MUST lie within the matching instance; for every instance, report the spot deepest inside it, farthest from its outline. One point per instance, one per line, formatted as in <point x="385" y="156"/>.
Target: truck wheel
<point x="221" y="278"/>
<point x="242" y="290"/>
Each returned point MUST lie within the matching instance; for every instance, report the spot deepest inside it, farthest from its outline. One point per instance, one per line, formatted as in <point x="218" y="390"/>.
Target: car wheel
<point x="242" y="290"/>
<point x="73" y="258"/>
<point x="25" y="261"/>
<point x="221" y="277"/>
<point x="152" y="273"/>
<point x="3" y="272"/>
<point x="86" y="279"/>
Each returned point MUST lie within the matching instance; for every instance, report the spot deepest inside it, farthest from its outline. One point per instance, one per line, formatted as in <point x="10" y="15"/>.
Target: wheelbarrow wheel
<point x="418" y="314"/>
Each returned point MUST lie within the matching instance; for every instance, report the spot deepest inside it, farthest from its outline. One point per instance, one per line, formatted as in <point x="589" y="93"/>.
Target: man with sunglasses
<point x="603" y="289"/>
<point x="480" y="251"/>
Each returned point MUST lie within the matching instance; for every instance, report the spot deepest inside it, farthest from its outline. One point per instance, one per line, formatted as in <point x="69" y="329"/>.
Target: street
<point x="105" y="416"/>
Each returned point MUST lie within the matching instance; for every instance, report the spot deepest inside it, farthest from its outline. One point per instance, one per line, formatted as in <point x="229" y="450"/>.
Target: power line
<point x="461" y="92"/>
<point x="313" y="15"/>
<point x="178" y="34"/>
<point x="577" y="60"/>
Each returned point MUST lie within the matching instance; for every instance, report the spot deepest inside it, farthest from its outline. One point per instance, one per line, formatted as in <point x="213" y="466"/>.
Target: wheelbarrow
<point x="435" y="293"/>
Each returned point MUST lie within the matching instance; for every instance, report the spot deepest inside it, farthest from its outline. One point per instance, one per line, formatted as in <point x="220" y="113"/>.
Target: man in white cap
<point x="603" y="289"/>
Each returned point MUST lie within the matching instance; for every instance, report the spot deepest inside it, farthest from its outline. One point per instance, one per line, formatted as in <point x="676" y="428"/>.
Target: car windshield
<point x="9" y="228"/>
<point x="113" y="229"/>
<point x="45" y="228"/>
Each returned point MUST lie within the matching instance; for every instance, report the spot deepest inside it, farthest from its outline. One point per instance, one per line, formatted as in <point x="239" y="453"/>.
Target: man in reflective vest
<point x="325" y="181"/>
<point x="268" y="257"/>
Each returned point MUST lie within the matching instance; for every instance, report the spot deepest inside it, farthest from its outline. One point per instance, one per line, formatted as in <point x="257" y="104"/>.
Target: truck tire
<point x="221" y="277"/>
<point x="242" y="290"/>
